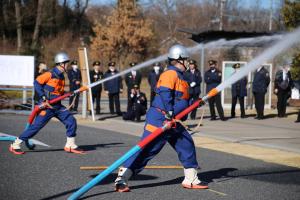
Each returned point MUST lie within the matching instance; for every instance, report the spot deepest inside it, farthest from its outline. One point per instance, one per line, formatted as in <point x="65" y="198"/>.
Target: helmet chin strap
<point x="181" y="61"/>
<point x="63" y="65"/>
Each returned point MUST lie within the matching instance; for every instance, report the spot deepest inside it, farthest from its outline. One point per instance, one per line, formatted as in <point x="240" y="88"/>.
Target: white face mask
<point x="112" y="69"/>
<point x="156" y="69"/>
<point x="75" y="67"/>
<point x="43" y="67"/>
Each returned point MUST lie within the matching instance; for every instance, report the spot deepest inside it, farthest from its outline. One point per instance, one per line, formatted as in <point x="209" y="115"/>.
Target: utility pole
<point x="221" y="15"/>
<point x="271" y="15"/>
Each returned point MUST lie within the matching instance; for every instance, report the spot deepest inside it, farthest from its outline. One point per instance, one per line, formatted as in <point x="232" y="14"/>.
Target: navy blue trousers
<point x="178" y="138"/>
<point x="44" y="116"/>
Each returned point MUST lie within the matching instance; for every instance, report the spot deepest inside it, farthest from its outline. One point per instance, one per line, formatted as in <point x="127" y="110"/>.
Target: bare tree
<point x="5" y="22"/>
<point x="19" y="25"/>
<point x="38" y="22"/>
<point x="80" y="8"/>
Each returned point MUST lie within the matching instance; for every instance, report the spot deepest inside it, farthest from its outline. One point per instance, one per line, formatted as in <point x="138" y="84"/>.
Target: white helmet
<point x="61" y="57"/>
<point x="178" y="52"/>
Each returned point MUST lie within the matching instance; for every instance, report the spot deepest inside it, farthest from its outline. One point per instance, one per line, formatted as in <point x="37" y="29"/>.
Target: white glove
<point x="192" y="84"/>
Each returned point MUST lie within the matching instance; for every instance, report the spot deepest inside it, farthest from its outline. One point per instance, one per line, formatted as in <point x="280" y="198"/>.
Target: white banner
<point x="16" y="70"/>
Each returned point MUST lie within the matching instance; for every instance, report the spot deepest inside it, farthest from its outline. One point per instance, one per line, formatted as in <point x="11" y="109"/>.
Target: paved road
<point x="273" y="132"/>
<point x="50" y="173"/>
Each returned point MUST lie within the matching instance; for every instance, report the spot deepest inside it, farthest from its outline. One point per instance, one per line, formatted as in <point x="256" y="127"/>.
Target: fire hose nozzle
<point x="202" y="103"/>
<point x="83" y="88"/>
<point x="212" y="92"/>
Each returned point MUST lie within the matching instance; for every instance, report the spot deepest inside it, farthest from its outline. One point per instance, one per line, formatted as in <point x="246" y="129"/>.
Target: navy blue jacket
<point x="239" y="88"/>
<point x="194" y="77"/>
<point x="73" y="77"/>
<point x="152" y="79"/>
<point x="279" y="83"/>
<point x="94" y="77"/>
<point x="114" y="85"/>
<point x="261" y="81"/>
<point x="212" y="79"/>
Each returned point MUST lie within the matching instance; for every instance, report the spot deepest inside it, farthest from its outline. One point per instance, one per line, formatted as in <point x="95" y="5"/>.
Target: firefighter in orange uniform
<point x="50" y="85"/>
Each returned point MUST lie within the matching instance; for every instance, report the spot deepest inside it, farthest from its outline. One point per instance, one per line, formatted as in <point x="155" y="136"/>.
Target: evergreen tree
<point x="125" y="35"/>
<point x="291" y="17"/>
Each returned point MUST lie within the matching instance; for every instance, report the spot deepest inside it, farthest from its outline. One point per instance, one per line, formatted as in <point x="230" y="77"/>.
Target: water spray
<point x="214" y="44"/>
<point x="269" y="53"/>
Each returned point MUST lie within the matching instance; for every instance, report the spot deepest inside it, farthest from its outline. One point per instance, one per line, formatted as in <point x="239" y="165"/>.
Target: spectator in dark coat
<point x="74" y="76"/>
<point x="95" y="75"/>
<point x="213" y="78"/>
<point x="194" y="79"/>
<point x="113" y="88"/>
<point x="153" y="78"/>
<point x="238" y="91"/>
<point x="42" y="68"/>
<point x="282" y="88"/>
<point x="131" y="79"/>
<point x="137" y="105"/>
<point x="260" y="85"/>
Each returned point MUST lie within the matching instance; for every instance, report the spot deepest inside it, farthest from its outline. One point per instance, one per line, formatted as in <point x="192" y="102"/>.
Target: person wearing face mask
<point x="42" y="68"/>
<point x="95" y="75"/>
<point x="74" y="76"/>
<point x="238" y="91"/>
<point x="213" y="77"/>
<point x="153" y="78"/>
<point x="137" y="105"/>
<point x="282" y="88"/>
<point x="113" y="88"/>
<point x="132" y="78"/>
<point x="194" y="79"/>
<point x="171" y="98"/>
<point x="260" y="85"/>
<point x="51" y="85"/>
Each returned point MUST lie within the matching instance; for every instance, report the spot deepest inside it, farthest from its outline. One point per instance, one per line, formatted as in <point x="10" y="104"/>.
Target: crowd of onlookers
<point x="137" y="101"/>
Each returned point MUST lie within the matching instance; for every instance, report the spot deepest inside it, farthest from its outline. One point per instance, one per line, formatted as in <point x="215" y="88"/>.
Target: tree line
<point x="128" y="30"/>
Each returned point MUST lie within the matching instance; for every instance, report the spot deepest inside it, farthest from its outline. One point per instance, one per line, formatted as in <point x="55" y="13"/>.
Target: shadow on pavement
<point x="267" y="175"/>
<point x="60" y="194"/>
<point x="95" y="146"/>
<point x="111" y="178"/>
<point x="44" y="150"/>
<point x="108" y="117"/>
<point x="261" y="174"/>
<point x="84" y="147"/>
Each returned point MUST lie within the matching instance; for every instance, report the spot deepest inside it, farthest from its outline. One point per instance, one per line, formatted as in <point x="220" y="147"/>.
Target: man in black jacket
<point x="74" y="76"/>
<point x="95" y="75"/>
<point x="238" y="91"/>
<point x="213" y="78"/>
<point x="153" y="78"/>
<point x="131" y="79"/>
<point x="282" y="88"/>
<point x="137" y="105"/>
<point x="260" y="85"/>
<point x="194" y="79"/>
<point x="113" y="88"/>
